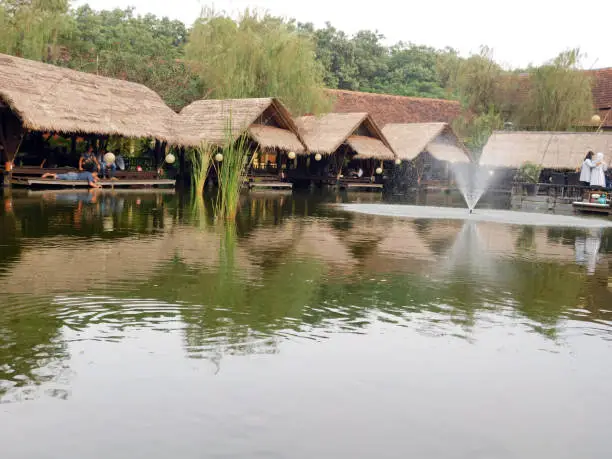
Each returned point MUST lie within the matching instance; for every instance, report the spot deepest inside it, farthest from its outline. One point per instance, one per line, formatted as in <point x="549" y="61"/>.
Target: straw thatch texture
<point x="551" y="150"/>
<point x="327" y="133"/>
<point x="50" y="98"/>
<point x="386" y="108"/>
<point x="410" y="140"/>
<point x="270" y="136"/>
<point x="208" y="122"/>
<point x="369" y="148"/>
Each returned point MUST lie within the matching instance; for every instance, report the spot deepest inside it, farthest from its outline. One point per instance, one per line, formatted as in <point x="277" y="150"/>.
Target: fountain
<point x="472" y="180"/>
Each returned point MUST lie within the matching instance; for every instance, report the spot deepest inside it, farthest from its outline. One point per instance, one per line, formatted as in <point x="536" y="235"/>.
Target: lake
<point x="132" y="325"/>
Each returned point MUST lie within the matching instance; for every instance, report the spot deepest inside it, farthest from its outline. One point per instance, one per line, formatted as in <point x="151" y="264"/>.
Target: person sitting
<point x="88" y="161"/>
<point x="91" y="177"/>
<point x="107" y="169"/>
<point x="587" y="167"/>
<point x="598" y="174"/>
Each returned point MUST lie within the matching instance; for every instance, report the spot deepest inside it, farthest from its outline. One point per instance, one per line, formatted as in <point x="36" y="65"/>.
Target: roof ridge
<point x="380" y="94"/>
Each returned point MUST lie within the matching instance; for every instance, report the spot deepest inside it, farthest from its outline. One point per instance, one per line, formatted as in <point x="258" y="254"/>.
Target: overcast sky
<point x="519" y="31"/>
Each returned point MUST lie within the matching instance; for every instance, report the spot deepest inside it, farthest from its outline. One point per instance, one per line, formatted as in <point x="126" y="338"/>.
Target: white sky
<point x="519" y="31"/>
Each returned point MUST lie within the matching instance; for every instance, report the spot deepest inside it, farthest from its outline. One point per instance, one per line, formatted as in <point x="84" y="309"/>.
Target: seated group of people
<point x="593" y="171"/>
<point x="91" y="166"/>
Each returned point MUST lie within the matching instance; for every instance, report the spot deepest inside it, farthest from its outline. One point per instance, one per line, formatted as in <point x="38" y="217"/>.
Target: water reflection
<point x="98" y="266"/>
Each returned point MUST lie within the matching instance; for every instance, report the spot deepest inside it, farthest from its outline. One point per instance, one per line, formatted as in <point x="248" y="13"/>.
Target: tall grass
<point x="231" y="174"/>
<point x="200" y="159"/>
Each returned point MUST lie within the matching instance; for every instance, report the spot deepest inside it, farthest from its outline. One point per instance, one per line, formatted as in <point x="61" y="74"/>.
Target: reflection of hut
<point x="344" y="147"/>
<point x="558" y="153"/>
<point x="37" y="98"/>
<point x="430" y="148"/>
<point x="266" y="123"/>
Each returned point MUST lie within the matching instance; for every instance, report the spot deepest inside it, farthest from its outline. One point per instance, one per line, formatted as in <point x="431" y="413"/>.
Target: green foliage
<point x="200" y="159"/>
<point x="530" y="172"/>
<point x="231" y="174"/>
<point x="559" y="96"/>
<point x="34" y="29"/>
<point x="476" y="130"/>
<point x="257" y="56"/>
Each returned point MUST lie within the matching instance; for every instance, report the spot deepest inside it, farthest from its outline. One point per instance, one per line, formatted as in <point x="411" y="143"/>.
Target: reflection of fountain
<point x="472" y="180"/>
<point x="468" y="252"/>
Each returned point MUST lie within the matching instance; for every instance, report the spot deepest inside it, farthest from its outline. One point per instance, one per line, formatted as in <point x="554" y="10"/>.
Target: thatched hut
<point x="42" y="97"/>
<point x="558" y="154"/>
<point x="343" y="142"/>
<point x="265" y="121"/>
<point x="430" y="149"/>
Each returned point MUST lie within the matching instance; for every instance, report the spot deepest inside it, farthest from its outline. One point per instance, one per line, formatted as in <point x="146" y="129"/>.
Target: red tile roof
<point x="385" y="108"/>
<point x="602" y="88"/>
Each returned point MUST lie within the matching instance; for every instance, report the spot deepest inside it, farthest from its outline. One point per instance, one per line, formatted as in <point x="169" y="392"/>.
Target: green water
<point x="134" y="326"/>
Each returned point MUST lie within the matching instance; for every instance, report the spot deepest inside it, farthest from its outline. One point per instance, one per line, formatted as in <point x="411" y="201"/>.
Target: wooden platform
<point x="270" y="185"/>
<point x="126" y="183"/>
<point x="361" y="186"/>
<point x="592" y="207"/>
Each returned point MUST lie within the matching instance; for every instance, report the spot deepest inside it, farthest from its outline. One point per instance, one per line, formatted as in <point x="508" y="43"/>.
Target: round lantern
<point x="398" y="162"/>
<point x="318" y="157"/>
<point x="596" y="119"/>
<point x="109" y="158"/>
<point x="379" y="170"/>
<point x="219" y="157"/>
<point x="291" y="155"/>
<point x="170" y="158"/>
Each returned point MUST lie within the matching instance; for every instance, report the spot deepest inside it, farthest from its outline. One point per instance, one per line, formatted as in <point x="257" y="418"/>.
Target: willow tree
<point x="256" y="56"/>
<point x="34" y="29"/>
<point x="559" y="96"/>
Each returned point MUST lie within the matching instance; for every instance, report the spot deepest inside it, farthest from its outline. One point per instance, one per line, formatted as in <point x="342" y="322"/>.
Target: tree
<point x="256" y="56"/>
<point x="559" y="96"/>
<point x="34" y="29"/>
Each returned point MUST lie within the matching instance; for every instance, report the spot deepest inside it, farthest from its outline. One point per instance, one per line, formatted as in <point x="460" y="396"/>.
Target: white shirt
<point x="598" y="175"/>
<point x="586" y="171"/>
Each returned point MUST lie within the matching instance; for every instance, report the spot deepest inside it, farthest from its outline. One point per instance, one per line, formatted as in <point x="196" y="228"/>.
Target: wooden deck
<point x="270" y="185"/>
<point x="589" y="204"/>
<point x="592" y="207"/>
<point x="125" y="183"/>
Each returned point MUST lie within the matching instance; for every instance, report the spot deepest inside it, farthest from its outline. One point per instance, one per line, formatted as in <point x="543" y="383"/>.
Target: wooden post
<point x="11" y="135"/>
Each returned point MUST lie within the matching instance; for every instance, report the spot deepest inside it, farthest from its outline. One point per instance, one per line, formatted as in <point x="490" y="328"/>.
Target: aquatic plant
<point x="231" y="174"/>
<point x="200" y="159"/>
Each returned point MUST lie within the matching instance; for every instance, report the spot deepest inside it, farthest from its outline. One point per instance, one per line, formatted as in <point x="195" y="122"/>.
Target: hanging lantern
<point x="596" y="119"/>
<point x="398" y="162"/>
<point x="219" y="157"/>
<point x="379" y="170"/>
<point x="109" y="158"/>
<point x="170" y="158"/>
<point x="291" y="155"/>
<point x="318" y="157"/>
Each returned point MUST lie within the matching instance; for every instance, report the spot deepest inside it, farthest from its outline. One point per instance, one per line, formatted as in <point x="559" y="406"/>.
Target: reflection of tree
<point x="31" y="348"/>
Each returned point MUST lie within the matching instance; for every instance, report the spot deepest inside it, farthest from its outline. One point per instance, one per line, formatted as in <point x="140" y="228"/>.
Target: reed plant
<point x="231" y="174"/>
<point x="200" y="159"/>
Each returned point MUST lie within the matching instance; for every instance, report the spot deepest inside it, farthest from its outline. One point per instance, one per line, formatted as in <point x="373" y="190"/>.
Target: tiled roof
<point x="385" y="108"/>
<point x="602" y="88"/>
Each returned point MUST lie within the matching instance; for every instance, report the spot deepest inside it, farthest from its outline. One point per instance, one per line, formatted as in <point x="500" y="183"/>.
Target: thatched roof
<point x="266" y="120"/>
<point x="386" y="108"/>
<point x="325" y="134"/>
<point x="551" y="150"/>
<point x="409" y="140"/>
<point x="50" y="98"/>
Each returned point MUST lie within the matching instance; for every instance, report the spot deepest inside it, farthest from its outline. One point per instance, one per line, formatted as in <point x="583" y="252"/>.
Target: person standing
<point x="587" y="168"/>
<point x="598" y="173"/>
